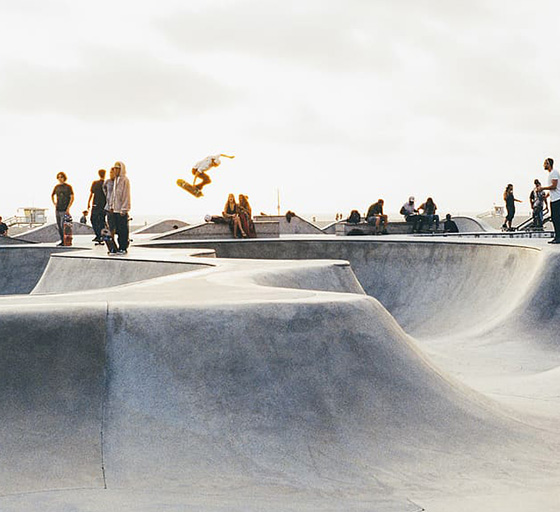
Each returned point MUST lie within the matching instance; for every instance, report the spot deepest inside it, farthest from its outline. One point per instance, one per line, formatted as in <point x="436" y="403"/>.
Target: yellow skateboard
<point x="191" y="189"/>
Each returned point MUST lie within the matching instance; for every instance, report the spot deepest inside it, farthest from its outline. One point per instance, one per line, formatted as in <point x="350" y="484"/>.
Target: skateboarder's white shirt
<point x="554" y="193"/>
<point x="207" y="163"/>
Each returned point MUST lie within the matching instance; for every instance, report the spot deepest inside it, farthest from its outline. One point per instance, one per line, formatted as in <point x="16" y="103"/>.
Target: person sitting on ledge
<point x="354" y="217"/>
<point x="246" y="216"/>
<point x="429" y="215"/>
<point x="375" y="217"/>
<point x="411" y="214"/>
<point x="231" y="214"/>
<point x="450" y="226"/>
<point x="3" y="228"/>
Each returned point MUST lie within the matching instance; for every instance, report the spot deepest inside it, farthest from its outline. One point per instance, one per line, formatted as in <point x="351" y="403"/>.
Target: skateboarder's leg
<point x="204" y="178"/>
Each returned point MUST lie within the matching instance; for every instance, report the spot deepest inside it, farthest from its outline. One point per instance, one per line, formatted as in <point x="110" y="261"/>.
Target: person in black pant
<point x="510" y="201"/>
<point x="450" y="226"/>
<point x="62" y="197"/>
<point x="96" y="203"/>
<point x="553" y="178"/>
<point x="120" y="206"/>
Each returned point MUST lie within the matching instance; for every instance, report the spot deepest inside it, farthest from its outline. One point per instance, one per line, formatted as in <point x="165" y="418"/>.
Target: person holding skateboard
<point x="199" y="171"/>
<point x="62" y="197"/>
<point x="120" y="206"/>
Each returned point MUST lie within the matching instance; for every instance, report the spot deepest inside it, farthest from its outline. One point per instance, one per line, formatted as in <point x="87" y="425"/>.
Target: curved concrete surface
<point x="21" y="266"/>
<point x="89" y="270"/>
<point x="8" y="240"/>
<point x="49" y="233"/>
<point x="431" y="287"/>
<point x="280" y="385"/>
<point x="161" y="226"/>
<point x="297" y="225"/>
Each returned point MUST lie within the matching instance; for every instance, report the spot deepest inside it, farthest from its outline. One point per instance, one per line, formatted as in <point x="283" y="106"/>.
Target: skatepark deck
<point x="420" y="375"/>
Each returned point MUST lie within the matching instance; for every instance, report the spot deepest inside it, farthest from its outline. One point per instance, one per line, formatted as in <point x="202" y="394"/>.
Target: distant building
<point x="28" y="216"/>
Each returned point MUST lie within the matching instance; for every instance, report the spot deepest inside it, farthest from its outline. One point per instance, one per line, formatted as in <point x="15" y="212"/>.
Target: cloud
<point x="112" y="85"/>
<point x="326" y="35"/>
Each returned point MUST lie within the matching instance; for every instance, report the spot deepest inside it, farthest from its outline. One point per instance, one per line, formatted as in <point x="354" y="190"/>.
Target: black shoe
<point x="554" y="241"/>
<point x="60" y="244"/>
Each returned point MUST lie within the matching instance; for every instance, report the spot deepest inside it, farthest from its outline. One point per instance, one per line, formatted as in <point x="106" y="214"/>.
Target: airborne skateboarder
<point x="199" y="171"/>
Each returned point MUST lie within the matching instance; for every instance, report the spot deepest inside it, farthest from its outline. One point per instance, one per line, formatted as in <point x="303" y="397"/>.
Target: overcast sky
<point x="334" y="103"/>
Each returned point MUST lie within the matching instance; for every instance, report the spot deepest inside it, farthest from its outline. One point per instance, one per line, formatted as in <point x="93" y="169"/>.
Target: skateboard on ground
<point x="67" y="229"/>
<point x="191" y="189"/>
<point x="107" y="237"/>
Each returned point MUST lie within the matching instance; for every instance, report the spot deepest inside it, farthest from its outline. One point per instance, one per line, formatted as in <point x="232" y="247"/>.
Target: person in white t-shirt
<point x="199" y="169"/>
<point x="553" y="179"/>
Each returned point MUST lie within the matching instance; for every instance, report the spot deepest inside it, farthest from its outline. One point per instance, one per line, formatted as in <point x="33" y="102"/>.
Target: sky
<point x="328" y="104"/>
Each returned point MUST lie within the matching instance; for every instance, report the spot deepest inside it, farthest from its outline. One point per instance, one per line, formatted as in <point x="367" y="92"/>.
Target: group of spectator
<point x="538" y="199"/>
<point x="109" y="203"/>
<point x="425" y="216"/>
<point x="421" y="218"/>
<point x="539" y="202"/>
<point x="238" y="215"/>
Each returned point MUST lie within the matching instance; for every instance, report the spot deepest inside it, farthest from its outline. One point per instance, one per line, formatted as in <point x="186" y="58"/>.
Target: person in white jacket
<point x="120" y="206"/>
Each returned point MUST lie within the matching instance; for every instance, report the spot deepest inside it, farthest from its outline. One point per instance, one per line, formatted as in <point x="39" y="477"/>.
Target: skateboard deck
<point x="189" y="188"/>
<point x="107" y="237"/>
<point x="67" y="231"/>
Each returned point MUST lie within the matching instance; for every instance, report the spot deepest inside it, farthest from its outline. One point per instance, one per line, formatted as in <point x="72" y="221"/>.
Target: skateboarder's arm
<point x="89" y="200"/>
<point x="71" y="201"/>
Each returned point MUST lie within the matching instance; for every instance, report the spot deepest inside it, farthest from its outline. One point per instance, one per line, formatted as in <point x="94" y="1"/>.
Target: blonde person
<point x="246" y="216"/>
<point x="231" y="214"/>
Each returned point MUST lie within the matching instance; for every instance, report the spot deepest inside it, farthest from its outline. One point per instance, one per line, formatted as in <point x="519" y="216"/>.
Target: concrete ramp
<point x="8" y="240"/>
<point x="21" y="266"/>
<point x="90" y="271"/>
<point x="52" y="377"/>
<point x="161" y="226"/>
<point x="296" y="226"/>
<point x="431" y="287"/>
<point x="270" y="385"/>
<point x="49" y="233"/>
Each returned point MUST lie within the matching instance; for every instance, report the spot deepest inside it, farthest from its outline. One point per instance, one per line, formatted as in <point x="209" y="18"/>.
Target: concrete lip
<point x="304" y="373"/>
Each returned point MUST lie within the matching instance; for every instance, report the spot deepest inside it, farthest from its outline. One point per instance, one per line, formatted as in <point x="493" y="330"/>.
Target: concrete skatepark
<point x="315" y="373"/>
